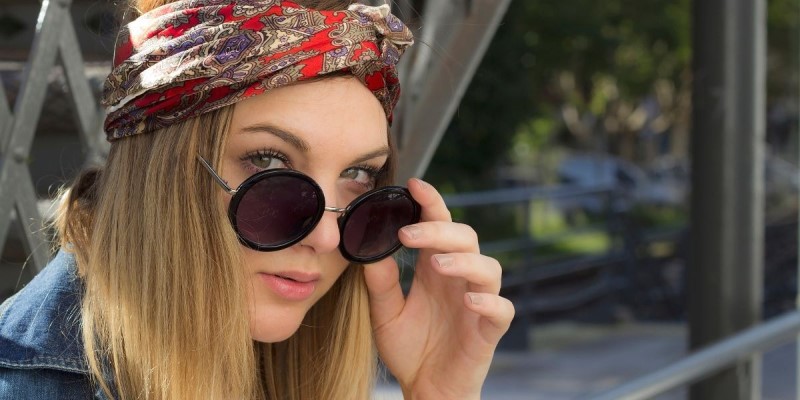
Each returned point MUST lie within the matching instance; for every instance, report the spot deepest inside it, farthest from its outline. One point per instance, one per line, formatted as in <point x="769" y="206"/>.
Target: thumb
<point x="386" y="299"/>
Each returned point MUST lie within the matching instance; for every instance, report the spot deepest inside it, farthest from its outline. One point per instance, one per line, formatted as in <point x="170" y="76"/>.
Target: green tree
<point x="588" y="75"/>
<point x="580" y="73"/>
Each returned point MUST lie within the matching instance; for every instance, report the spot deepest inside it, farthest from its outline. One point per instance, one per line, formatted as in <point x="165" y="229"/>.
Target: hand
<point x="439" y="341"/>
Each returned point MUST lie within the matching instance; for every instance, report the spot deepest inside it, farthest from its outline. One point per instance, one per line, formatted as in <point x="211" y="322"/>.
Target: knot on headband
<point x="186" y="58"/>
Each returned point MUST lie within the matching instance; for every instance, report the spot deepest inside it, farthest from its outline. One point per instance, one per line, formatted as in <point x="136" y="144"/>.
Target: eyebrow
<point x="301" y="145"/>
<point x="383" y="151"/>
<point x="284" y="135"/>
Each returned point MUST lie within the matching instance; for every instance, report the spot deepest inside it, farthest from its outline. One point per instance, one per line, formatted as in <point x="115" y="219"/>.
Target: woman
<point x="235" y="243"/>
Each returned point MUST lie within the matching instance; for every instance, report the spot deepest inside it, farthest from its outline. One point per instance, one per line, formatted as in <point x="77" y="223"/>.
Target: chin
<point x="271" y="325"/>
<point x="271" y="337"/>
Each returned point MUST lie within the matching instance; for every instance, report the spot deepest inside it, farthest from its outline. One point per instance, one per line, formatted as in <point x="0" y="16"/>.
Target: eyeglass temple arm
<point x="232" y="192"/>
<point x="216" y="177"/>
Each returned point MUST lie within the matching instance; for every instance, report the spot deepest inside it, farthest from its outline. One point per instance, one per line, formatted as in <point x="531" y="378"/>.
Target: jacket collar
<point x="40" y="325"/>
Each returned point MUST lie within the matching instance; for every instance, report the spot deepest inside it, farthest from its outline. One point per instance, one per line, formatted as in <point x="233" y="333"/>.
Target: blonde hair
<point x="164" y="311"/>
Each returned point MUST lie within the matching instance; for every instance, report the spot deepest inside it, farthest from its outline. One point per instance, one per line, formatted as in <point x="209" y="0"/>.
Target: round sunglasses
<point x="274" y="209"/>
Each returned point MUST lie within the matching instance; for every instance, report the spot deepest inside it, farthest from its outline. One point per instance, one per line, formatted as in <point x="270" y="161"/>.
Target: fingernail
<point x="412" y="231"/>
<point x="444" y="260"/>
<point x="475" y="298"/>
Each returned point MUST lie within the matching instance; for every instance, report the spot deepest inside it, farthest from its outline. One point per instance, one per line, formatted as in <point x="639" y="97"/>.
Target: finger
<point x="482" y="273"/>
<point x="496" y="312"/>
<point x="446" y="237"/>
<point x="433" y="207"/>
<point x="386" y="299"/>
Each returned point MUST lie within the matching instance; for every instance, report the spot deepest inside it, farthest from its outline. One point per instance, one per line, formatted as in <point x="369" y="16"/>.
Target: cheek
<point x="253" y="258"/>
<point x="226" y="201"/>
<point x="335" y="272"/>
<point x="337" y="268"/>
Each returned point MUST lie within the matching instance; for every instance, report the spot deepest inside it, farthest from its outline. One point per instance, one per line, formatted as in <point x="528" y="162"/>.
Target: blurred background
<point x="563" y="134"/>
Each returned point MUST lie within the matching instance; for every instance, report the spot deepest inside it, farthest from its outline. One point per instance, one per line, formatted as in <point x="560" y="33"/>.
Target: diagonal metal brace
<point x="16" y="185"/>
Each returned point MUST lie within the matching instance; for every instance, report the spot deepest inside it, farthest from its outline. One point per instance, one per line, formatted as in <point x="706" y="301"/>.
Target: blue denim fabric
<point x="41" y="351"/>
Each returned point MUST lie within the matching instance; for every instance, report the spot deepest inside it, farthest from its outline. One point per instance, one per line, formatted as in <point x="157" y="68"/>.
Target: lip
<point x="298" y="276"/>
<point x="291" y="285"/>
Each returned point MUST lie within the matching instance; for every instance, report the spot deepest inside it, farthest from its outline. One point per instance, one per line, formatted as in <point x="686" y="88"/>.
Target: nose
<point x="324" y="238"/>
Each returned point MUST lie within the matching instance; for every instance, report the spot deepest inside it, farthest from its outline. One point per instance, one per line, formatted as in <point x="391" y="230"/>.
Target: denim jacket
<point x="41" y="350"/>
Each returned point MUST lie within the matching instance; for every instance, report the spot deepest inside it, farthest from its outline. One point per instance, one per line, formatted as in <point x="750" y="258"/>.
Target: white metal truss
<point x="55" y="42"/>
<point x="453" y="39"/>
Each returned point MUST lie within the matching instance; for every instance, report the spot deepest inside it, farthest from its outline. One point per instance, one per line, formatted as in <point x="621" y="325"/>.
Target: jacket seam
<point x="45" y="362"/>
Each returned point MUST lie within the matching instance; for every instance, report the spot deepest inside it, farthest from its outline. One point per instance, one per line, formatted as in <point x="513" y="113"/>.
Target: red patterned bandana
<point x="193" y="56"/>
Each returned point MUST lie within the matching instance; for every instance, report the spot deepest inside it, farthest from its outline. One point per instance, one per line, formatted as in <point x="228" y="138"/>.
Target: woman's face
<point x="333" y="130"/>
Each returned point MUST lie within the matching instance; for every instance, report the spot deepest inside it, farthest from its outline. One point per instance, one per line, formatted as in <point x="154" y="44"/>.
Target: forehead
<point x="338" y="112"/>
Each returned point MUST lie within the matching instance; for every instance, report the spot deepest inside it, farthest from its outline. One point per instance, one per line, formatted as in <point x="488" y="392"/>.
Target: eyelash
<point x="247" y="159"/>
<point x="372" y="171"/>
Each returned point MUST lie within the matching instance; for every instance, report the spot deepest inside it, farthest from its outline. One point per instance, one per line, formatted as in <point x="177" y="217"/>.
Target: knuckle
<point x="497" y="269"/>
<point x="447" y="214"/>
<point x="469" y="231"/>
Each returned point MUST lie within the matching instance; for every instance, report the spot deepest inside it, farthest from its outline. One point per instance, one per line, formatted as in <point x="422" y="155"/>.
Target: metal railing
<point x="589" y="276"/>
<point x="525" y="196"/>
<point x="704" y="362"/>
<point x="693" y="368"/>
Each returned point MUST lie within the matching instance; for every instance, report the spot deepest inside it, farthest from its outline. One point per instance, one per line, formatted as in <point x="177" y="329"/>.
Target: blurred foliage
<point x="580" y="74"/>
<point x="782" y="39"/>
<point x="586" y="75"/>
<point x="550" y="58"/>
<point x="547" y="53"/>
<point x="650" y="216"/>
<point x="557" y="236"/>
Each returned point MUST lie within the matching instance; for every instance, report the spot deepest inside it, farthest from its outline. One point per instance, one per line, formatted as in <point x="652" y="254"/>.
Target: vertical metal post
<point x="797" y="278"/>
<point x="726" y="262"/>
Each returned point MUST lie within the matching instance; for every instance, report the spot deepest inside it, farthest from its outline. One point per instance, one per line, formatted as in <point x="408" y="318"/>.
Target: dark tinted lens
<point x="371" y="229"/>
<point x="276" y="210"/>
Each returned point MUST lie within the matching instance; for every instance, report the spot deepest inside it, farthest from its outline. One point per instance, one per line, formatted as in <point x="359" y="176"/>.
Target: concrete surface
<point x="573" y="361"/>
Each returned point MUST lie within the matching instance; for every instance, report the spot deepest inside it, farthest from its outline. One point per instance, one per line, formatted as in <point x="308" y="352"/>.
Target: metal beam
<point x="27" y="109"/>
<point x="84" y="105"/>
<point x="725" y="271"/>
<point x="55" y="36"/>
<point x="5" y="119"/>
<point x="447" y="79"/>
<point x="30" y="221"/>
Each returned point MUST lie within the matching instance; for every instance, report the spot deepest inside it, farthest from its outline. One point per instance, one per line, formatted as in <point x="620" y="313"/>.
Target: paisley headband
<point x="189" y="57"/>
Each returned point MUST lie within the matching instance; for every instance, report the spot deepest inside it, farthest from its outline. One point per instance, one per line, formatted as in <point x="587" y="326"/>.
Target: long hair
<point x="164" y="311"/>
